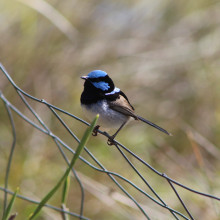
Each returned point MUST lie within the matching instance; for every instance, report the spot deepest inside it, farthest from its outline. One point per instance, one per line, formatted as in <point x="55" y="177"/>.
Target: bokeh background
<point x="163" y="54"/>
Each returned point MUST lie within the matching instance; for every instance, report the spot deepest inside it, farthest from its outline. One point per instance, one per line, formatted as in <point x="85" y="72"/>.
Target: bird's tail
<point x="153" y="125"/>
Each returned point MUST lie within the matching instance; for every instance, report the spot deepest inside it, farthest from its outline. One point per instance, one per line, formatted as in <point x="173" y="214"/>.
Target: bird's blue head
<point x="100" y="80"/>
<point x="97" y="74"/>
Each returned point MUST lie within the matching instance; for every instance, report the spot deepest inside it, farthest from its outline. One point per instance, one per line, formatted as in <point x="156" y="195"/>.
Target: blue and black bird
<point x="100" y="96"/>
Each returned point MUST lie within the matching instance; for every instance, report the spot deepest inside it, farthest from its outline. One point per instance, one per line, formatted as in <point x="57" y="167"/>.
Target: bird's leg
<point x="111" y="139"/>
<point x="95" y="130"/>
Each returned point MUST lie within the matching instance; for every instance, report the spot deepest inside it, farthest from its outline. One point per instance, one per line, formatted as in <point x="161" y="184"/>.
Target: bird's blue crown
<point x="97" y="74"/>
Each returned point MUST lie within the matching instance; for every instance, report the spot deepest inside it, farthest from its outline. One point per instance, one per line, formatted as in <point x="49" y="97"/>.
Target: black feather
<point x="153" y="125"/>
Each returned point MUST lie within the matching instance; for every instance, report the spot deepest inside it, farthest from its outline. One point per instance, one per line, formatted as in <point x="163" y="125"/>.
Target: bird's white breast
<point x="108" y="118"/>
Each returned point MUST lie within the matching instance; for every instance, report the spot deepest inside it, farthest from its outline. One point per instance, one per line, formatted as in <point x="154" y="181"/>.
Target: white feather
<point x="108" y="118"/>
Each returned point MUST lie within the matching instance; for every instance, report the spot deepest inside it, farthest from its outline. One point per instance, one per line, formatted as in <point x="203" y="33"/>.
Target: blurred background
<point x="163" y="54"/>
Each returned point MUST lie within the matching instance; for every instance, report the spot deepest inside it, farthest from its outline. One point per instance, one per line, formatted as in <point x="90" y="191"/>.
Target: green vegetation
<point x="163" y="54"/>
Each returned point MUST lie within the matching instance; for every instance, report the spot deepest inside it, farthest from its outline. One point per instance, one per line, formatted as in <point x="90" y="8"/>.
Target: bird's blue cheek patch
<point x="101" y="85"/>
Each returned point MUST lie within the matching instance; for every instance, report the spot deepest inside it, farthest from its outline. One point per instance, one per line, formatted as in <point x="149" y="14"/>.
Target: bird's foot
<point x="95" y="130"/>
<point x="111" y="140"/>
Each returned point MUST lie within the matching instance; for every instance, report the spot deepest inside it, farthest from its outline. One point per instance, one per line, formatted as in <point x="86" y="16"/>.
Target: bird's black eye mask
<point x="104" y="79"/>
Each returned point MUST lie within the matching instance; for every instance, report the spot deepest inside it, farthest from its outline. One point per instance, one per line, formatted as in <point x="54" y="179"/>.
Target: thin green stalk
<point x="65" y="189"/>
<point x="64" y="198"/>
<point x="8" y="209"/>
<point x="82" y="143"/>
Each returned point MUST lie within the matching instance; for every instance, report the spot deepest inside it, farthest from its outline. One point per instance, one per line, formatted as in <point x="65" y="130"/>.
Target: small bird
<point x="100" y="96"/>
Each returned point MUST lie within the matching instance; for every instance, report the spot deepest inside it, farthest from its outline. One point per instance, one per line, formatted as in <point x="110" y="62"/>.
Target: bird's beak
<point x="84" y="77"/>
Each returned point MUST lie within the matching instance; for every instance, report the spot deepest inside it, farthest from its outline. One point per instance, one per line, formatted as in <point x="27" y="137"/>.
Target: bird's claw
<point x="111" y="141"/>
<point x="95" y="130"/>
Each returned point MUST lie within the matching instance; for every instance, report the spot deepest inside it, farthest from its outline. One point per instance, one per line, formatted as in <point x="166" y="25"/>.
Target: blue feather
<point x="116" y="90"/>
<point x="101" y="85"/>
<point x="97" y="74"/>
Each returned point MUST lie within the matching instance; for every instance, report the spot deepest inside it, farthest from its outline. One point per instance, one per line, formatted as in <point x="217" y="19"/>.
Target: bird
<point x="100" y="96"/>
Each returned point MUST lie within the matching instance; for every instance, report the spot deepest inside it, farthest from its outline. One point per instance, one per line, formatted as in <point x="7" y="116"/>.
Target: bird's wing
<point x="122" y="105"/>
<point x="122" y="94"/>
